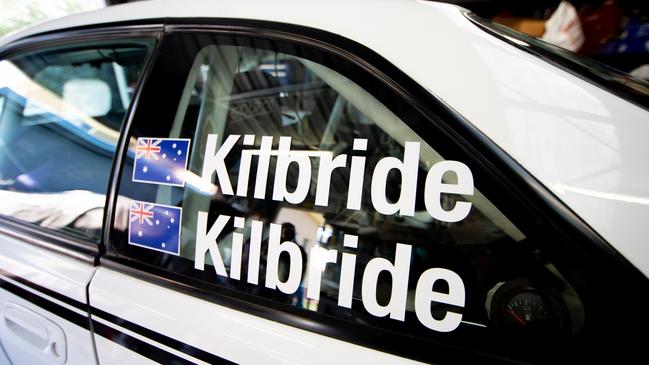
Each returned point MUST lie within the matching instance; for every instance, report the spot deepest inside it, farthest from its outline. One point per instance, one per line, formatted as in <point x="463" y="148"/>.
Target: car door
<point x="64" y="99"/>
<point x="283" y="199"/>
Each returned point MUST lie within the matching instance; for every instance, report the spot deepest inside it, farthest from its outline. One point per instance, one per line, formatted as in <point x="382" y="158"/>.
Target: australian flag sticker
<point x="161" y="161"/>
<point x="155" y="226"/>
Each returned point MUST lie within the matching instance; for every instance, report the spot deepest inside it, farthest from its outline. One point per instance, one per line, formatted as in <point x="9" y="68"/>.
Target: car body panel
<point x="225" y="332"/>
<point x="56" y="286"/>
<point x="112" y="353"/>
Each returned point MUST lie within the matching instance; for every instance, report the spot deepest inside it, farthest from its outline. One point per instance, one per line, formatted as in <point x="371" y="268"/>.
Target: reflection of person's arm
<point x="55" y="210"/>
<point x="91" y="220"/>
<point x="121" y="213"/>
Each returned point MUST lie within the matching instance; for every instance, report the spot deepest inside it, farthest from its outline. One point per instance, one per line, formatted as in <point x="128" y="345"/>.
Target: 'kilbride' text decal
<point x="399" y="269"/>
<point x="409" y="168"/>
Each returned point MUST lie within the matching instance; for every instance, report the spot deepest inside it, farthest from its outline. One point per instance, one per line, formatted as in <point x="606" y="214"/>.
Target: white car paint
<point x="583" y="143"/>
<point x="112" y="353"/>
<point x="61" y="274"/>
<point x="232" y="334"/>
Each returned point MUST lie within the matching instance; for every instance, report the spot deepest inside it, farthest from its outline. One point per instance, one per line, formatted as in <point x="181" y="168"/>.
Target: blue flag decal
<point x="161" y="161"/>
<point x="155" y="226"/>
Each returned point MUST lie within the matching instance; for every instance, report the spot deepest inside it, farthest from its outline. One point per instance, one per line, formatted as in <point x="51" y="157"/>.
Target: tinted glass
<point x="288" y="177"/>
<point x="63" y="109"/>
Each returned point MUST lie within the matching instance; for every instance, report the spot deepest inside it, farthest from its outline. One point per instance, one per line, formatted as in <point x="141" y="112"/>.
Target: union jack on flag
<point x="161" y="161"/>
<point x="155" y="226"/>
<point x="148" y="148"/>
<point x="141" y="212"/>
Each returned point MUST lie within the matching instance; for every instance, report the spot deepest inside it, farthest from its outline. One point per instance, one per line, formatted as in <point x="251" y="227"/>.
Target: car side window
<point x="286" y="176"/>
<point x="60" y="120"/>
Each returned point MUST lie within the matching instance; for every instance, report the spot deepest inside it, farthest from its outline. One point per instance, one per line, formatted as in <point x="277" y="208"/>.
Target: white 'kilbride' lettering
<point x="216" y="162"/>
<point x="398" y="269"/>
<point x="408" y="167"/>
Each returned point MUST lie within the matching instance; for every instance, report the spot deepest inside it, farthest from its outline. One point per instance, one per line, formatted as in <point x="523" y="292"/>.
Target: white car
<point x="330" y="182"/>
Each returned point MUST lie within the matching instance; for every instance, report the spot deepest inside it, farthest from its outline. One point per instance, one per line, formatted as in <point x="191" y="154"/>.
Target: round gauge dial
<point x="518" y="307"/>
<point x="528" y="310"/>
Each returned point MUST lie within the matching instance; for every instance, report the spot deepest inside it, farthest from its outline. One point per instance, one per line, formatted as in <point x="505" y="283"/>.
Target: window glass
<point x="287" y="177"/>
<point x="62" y="112"/>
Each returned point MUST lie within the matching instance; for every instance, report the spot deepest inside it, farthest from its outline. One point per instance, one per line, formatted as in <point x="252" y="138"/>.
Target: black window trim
<point x="65" y="36"/>
<point x="471" y="141"/>
<point x="60" y="242"/>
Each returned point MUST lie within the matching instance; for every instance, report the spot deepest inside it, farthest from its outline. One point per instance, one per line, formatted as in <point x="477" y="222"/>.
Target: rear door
<point x="287" y="200"/>
<point x="63" y="100"/>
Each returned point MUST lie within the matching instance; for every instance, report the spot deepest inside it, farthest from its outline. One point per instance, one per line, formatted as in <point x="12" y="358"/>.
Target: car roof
<point x="583" y="143"/>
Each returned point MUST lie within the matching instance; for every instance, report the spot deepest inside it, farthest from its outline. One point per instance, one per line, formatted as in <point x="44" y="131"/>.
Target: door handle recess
<point x="38" y="332"/>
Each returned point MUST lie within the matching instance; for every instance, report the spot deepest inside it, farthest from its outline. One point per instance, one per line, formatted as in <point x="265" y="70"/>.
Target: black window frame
<point x="68" y="244"/>
<point x="523" y="190"/>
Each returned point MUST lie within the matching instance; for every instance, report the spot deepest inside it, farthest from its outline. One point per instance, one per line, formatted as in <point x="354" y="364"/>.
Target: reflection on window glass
<point x="301" y="221"/>
<point x="59" y="127"/>
<point x="620" y="83"/>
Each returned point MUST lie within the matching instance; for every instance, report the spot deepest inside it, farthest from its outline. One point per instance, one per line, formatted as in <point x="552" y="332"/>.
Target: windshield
<point x="617" y="82"/>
